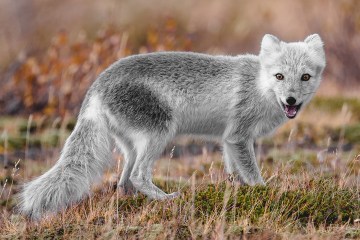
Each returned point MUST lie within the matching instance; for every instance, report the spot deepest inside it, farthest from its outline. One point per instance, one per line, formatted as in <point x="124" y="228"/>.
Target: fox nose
<point x="291" y="100"/>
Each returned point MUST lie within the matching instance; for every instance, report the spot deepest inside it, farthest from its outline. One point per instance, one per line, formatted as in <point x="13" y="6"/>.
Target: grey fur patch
<point x="137" y="104"/>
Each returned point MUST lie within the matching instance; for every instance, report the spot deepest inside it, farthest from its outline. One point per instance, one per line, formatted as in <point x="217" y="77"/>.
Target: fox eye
<point x="279" y="76"/>
<point x="305" y="77"/>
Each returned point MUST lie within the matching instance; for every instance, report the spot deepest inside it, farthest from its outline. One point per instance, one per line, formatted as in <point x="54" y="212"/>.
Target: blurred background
<point x="51" y="51"/>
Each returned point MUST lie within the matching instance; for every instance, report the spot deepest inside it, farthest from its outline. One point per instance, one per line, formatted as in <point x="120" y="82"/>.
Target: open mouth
<point x="291" y="111"/>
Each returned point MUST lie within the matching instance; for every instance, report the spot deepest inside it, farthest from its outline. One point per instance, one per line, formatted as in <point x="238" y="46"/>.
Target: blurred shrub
<point x="55" y="82"/>
<point x="335" y="104"/>
<point x="52" y="78"/>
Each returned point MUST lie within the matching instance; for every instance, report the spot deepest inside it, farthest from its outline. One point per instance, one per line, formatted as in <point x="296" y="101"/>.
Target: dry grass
<point x="318" y="207"/>
<point x="310" y="194"/>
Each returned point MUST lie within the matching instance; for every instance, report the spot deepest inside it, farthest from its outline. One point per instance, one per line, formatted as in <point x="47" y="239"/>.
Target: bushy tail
<point x="87" y="152"/>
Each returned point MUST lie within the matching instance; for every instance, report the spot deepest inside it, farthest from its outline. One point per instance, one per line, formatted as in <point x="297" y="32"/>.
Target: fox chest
<point x="267" y="125"/>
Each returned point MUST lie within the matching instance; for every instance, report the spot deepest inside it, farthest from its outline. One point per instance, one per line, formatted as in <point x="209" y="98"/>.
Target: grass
<point x="207" y="211"/>
<point x="335" y="104"/>
<point x="311" y="192"/>
<point x="312" y="189"/>
<point x="198" y="214"/>
<point x="304" y="198"/>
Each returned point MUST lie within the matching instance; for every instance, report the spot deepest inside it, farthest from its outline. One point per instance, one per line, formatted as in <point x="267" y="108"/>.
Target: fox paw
<point x="127" y="189"/>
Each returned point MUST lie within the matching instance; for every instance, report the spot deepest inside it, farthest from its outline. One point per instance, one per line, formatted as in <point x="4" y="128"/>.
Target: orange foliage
<point x="54" y="82"/>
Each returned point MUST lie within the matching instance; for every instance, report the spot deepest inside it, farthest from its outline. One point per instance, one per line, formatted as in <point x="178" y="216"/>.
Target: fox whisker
<point x="308" y="93"/>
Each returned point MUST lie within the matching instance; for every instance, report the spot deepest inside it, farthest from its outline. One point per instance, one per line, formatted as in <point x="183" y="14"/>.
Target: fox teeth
<point x="291" y="111"/>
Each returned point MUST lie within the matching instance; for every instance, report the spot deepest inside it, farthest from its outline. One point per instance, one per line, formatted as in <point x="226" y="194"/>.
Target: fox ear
<point x="269" y="44"/>
<point x="315" y="41"/>
<point x="317" y="46"/>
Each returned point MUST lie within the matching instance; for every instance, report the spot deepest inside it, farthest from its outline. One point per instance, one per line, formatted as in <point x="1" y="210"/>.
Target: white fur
<point x="94" y="109"/>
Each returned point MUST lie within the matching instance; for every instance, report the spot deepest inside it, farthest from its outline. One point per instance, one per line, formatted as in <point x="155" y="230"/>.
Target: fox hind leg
<point x="148" y="150"/>
<point x="129" y="153"/>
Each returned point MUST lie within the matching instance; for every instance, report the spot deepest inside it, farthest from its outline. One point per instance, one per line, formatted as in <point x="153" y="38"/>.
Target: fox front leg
<point x="240" y="162"/>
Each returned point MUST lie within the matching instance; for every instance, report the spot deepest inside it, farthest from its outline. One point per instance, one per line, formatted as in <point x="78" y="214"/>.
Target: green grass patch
<point x="335" y="104"/>
<point x="242" y="209"/>
<point x="352" y="133"/>
<point x="324" y="204"/>
<point x="321" y="203"/>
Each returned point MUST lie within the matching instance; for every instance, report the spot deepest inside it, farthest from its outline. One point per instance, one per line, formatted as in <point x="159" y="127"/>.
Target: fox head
<point x="291" y="71"/>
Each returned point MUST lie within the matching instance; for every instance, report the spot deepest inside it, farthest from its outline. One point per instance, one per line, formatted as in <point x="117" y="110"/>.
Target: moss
<point x="127" y="204"/>
<point x="247" y="202"/>
<point x="352" y="234"/>
<point x="322" y="205"/>
<point x="209" y="200"/>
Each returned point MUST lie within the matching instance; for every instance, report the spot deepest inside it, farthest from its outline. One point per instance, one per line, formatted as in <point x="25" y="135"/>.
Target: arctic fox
<point x="142" y="102"/>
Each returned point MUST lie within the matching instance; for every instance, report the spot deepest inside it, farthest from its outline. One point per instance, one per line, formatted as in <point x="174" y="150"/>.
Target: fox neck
<point x="271" y="107"/>
<point x="266" y="90"/>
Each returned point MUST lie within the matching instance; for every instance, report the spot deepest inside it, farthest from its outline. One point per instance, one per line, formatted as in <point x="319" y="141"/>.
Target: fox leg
<point x="240" y="161"/>
<point x="230" y="166"/>
<point x="148" y="150"/>
<point x="129" y="153"/>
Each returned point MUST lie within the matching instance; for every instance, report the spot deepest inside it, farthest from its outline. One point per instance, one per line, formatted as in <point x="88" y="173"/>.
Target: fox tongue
<point x="290" y="110"/>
